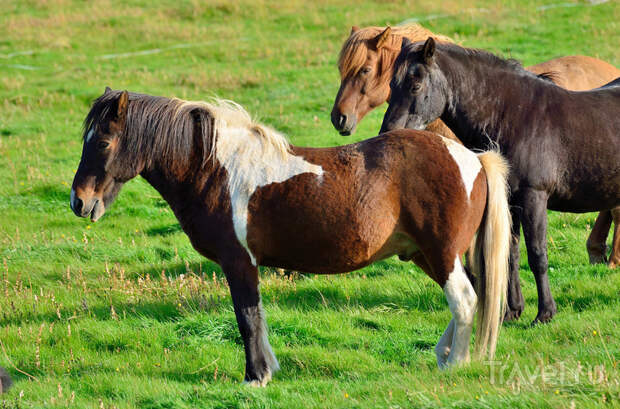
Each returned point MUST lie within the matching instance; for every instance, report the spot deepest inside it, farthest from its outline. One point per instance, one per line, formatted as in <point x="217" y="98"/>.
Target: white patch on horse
<point x="253" y="156"/>
<point x="89" y="135"/>
<point x="462" y="301"/>
<point x="467" y="161"/>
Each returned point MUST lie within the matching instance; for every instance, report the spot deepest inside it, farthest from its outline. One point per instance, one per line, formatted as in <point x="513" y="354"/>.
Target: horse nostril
<point x="343" y="120"/>
<point x="77" y="205"/>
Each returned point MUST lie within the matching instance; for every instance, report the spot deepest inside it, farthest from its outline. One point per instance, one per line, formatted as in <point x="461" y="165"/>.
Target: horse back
<point x="374" y="199"/>
<point x="570" y="148"/>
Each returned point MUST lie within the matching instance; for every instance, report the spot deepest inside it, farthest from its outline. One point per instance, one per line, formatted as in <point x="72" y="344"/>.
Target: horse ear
<point x="354" y="29"/>
<point x="382" y="38"/>
<point x="121" y="110"/>
<point x="405" y="43"/>
<point x="107" y="89"/>
<point x="428" y="50"/>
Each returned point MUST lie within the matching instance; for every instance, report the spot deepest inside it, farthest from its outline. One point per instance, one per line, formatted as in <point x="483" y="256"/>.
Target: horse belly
<point x="338" y="252"/>
<point x="323" y="235"/>
<point x="592" y="189"/>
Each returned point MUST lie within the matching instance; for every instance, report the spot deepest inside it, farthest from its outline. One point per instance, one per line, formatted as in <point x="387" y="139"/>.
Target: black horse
<point x="563" y="146"/>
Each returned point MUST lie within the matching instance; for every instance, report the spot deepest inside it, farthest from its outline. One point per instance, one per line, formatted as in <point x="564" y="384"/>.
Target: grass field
<point x="124" y="313"/>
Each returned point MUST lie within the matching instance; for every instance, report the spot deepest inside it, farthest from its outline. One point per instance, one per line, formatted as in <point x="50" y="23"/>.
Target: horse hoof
<point x="512" y="315"/>
<point x="597" y="259"/>
<point x="259" y="383"/>
<point x="442" y="357"/>
<point x="543" y="318"/>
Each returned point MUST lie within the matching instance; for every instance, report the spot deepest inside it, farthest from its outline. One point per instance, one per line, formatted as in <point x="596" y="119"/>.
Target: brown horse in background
<point x="246" y="197"/>
<point x="366" y="62"/>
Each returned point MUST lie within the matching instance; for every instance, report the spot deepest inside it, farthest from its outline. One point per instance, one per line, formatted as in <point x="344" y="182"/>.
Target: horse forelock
<point x="354" y="52"/>
<point x="164" y="129"/>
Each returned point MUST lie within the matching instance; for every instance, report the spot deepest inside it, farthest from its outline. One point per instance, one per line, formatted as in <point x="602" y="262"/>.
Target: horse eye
<point x="416" y="87"/>
<point x="365" y="70"/>
<point x="103" y="144"/>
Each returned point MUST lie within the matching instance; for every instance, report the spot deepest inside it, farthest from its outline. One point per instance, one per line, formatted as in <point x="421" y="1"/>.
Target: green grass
<point x="124" y="313"/>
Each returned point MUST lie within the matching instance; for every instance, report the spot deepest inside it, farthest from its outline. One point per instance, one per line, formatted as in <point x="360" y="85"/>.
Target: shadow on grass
<point x="334" y="298"/>
<point x="584" y="302"/>
<point x="200" y="268"/>
<point x="164" y="230"/>
<point x="50" y="193"/>
<point x="158" y="311"/>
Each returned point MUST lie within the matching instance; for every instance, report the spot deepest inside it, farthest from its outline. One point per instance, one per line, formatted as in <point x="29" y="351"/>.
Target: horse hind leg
<point x="462" y="301"/>
<point x="515" y="302"/>
<point x="443" y="347"/>
<point x="596" y="244"/>
<point x="614" y="258"/>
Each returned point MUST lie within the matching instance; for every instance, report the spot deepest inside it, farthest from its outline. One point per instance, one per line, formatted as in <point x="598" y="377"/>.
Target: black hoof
<point x="258" y="381"/>
<point x="512" y="315"/>
<point x="543" y="318"/>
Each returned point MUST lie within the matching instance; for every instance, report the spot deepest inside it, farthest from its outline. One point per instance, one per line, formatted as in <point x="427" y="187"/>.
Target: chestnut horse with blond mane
<point x="246" y="197"/>
<point x="366" y="64"/>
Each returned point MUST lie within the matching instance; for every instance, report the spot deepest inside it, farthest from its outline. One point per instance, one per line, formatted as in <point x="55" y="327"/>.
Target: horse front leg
<point x="260" y="362"/>
<point x="596" y="243"/>
<point x="614" y="258"/>
<point x="515" y="302"/>
<point x="535" y="232"/>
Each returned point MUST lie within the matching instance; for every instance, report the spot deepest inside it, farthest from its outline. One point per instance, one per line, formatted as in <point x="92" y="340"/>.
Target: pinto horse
<point x="246" y="197"/>
<point x="366" y="62"/>
<point x="563" y="146"/>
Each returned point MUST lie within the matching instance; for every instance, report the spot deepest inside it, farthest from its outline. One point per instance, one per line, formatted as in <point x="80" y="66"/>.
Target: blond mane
<point x="354" y="51"/>
<point x="229" y="114"/>
<point x="164" y="130"/>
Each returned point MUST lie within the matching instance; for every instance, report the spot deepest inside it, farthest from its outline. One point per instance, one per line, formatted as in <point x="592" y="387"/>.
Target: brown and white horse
<point x="366" y="66"/>
<point x="245" y="198"/>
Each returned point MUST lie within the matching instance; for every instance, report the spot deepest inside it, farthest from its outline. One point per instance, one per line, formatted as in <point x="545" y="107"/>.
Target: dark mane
<point x="159" y="128"/>
<point x="491" y="60"/>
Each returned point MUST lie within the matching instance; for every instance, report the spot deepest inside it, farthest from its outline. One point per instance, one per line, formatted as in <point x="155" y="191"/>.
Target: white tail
<point x="490" y="264"/>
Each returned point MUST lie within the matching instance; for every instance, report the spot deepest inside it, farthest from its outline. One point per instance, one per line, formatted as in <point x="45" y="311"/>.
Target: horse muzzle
<point x="92" y="207"/>
<point x="344" y="124"/>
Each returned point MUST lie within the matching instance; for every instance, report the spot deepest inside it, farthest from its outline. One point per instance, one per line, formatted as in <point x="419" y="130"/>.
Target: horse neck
<point x="182" y="184"/>
<point x="482" y="98"/>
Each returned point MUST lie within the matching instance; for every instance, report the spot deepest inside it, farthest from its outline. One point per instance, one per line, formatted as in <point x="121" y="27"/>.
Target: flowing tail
<point x="490" y="264"/>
